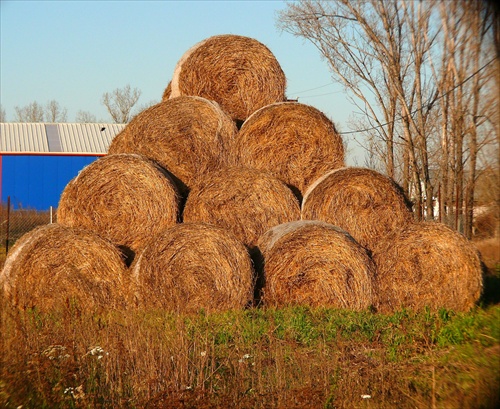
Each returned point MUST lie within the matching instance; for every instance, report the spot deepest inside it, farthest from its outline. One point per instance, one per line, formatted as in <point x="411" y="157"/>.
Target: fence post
<point x="8" y="226"/>
<point x="50" y="214"/>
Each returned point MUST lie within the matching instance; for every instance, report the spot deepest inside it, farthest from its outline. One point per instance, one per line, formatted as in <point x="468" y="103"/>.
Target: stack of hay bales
<point x="225" y="194"/>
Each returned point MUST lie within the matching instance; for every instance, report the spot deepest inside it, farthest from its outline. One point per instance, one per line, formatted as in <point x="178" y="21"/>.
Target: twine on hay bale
<point x="248" y="202"/>
<point x="317" y="264"/>
<point x="427" y="264"/>
<point x="54" y="266"/>
<point x="366" y="203"/>
<point x="297" y="143"/>
<point x="188" y="136"/>
<point x="124" y="198"/>
<point x="193" y="266"/>
<point x="239" y="73"/>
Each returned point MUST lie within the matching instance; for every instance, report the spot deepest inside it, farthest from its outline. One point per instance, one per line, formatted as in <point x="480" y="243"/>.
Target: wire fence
<point x="14" y="223"/>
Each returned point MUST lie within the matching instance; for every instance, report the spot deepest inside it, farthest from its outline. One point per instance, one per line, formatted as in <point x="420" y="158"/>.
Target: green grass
<point x="259" y="358"/>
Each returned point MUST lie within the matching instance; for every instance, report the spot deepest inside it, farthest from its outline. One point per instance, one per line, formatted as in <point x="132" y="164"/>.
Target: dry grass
<point x="297" y="143"/>
<point x="366" y="203"/>
<point x="192" y="267"/>
<point x="239" y="73"/>
<point x="317" y="264"/>
<point x="54" y="267"/>
<point x="125" y="198"/>
<point x="186" y="135"/>
<point x="427" y="264"/>
<point x="245" y="201"/>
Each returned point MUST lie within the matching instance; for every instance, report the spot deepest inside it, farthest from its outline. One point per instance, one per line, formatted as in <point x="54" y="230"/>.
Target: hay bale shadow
<point x="491" y="286"/>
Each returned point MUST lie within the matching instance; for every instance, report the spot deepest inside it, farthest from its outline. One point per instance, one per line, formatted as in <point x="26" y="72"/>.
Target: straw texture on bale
<point x="295" y="142"/>
<point x="366" y="203"/>
<point x="167" y="92"/>
<point x="54" y="266"/>
<point x="427" y="264"/>
<point x="194" y="266"/>
<point x="317" y="264"/>
<point x="239" y="73"/>
<point x="248" y="202"/>
<point x="124" y="198"/>
<point x="188" y="136"/>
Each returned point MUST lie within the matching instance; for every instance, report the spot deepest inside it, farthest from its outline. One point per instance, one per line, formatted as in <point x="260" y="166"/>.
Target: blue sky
<point x="74" y="51"/>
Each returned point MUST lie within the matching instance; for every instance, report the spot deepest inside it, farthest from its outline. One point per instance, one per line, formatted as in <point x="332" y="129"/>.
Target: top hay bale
<point x="188" y="136"/>
<point x="297" y="143"/>
<point x="239" y="73"/>
<point x="124" y="198"/>
<point x="54" y="266"/>
<point x="427" y="264"/>
<point x="317" y="264"/>
<point x="364" y="202"/>
<point x="247" y="202"/>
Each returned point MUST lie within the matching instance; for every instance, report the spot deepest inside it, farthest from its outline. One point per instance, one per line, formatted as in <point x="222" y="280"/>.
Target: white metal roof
<point x="57" y="138"/>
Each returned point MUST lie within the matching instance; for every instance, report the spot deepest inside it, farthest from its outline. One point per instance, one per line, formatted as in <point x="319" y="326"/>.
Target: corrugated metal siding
<point x="88" y="137"/>
<point x="74" y="138"/>
<point x="23" y="137"/>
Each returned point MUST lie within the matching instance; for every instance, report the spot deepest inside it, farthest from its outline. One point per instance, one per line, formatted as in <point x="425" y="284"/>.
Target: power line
<point x="425" y="105"/>
<point x="311" y="89"/>
<point x="319" y="95"/>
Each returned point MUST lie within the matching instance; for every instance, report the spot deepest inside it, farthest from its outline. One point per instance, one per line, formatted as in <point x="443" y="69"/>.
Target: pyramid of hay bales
<point x="225" y="195"/>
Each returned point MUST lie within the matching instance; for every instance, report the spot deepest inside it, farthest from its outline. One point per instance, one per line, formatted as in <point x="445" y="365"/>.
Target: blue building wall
<point x="36" y="182"/>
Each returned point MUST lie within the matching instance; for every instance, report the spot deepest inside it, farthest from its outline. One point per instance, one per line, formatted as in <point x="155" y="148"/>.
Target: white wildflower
<point x="55" y="352"/>
<point x="97" y="351"/>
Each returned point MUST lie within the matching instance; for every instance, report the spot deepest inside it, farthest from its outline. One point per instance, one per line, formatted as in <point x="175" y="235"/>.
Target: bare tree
<point x="415" y="70"/>
<point x="35" y="112"/>
<point x="145" y="106"/>
<point x="85" y="117"/>
<point x="120" y="102"/>
<point x="32" y="112"/>
<point x="54" y="113"/>
<point x="377" y="50"/>
<point x="3" y="116"/>
<point x="466" y="80"/>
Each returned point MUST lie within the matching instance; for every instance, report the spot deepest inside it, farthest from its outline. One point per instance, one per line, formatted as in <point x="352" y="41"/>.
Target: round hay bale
<point x="54" y="266"/>
<point x="194" y="266"/>
<point x="295" y="142"/>
<point x="366" y="203"/>
<point x="247" y="202"/>
<point x="239" y="73"/>
<point x="167" y="92"/>
<point x="188" y="136"/>
<point x="124" y="198"/>
<point x="427" y="264"/>
<point x="317" y="264"/>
